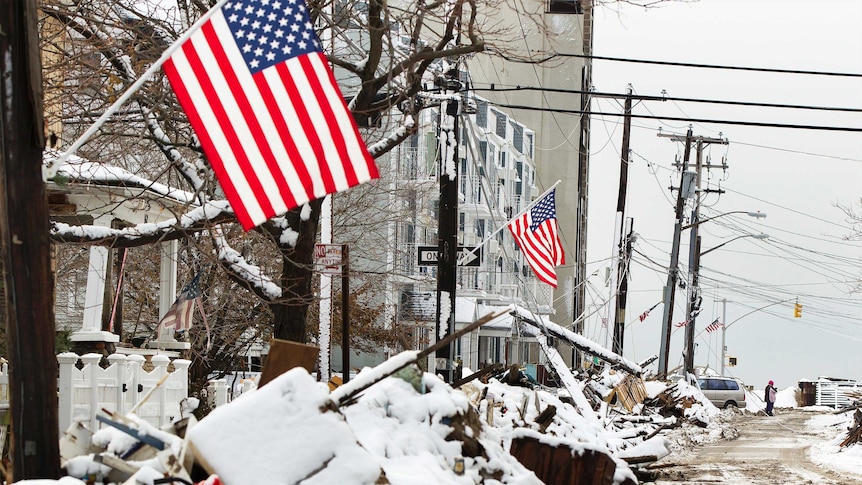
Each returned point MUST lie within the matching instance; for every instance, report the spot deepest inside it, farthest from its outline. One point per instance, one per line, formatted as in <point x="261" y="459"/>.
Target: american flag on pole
<point x="645" y="314"/>
<point x="536" y="234"/>
<point x="265" y="106"/>
<point x="712" y="327"/>
<point x="179" y="316"/>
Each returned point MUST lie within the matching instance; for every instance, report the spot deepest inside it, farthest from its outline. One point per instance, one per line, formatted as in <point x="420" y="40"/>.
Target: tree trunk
<point x="291" y="311"/>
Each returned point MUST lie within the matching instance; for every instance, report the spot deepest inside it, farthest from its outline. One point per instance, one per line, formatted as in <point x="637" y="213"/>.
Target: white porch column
<point x="91" y="328"/>
<point x="167" y="295"/>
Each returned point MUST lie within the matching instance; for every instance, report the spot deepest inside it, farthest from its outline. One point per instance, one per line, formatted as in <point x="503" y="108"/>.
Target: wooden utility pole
<point x="26" y="257"/>
<point x="673" y="269"/>
<point x="622" y="262"/>
<point x="623" y="284"/>
<point x="447" y="232"/>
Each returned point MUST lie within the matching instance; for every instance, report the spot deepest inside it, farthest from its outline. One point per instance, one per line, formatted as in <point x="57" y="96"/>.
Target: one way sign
<point x="428" y="256"/>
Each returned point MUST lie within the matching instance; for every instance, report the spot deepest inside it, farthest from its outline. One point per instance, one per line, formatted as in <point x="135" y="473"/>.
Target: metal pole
<point x="345" y="313"/>
<point x="723" y="330"/>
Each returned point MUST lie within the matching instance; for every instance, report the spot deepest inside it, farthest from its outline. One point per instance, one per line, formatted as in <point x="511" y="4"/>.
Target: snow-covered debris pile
<point x="518" y="412"/>
<point x="290" y="431"/>
<point x="687" y="401"/>
<point x="838" y="450"/>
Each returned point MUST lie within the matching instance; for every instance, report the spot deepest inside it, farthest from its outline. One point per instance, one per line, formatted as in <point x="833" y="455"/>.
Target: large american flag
<point x="179" y="316"/>
<point x="265" y="106"/>
<point x="536" y="234"/>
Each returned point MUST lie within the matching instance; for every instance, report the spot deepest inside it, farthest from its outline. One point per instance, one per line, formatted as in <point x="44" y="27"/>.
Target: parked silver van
<point x="723" y="392"/>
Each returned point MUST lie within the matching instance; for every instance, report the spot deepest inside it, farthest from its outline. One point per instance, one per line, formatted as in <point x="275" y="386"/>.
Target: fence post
<point x="91" y="373"/>
<point x="160" y="362"/>
<point x="117" y="367"/>
<point x="217" y="392"/>
<point x="136" y="363"/>
<point x="67" y="361"/>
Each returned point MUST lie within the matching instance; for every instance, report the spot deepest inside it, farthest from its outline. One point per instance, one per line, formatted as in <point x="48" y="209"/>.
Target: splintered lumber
<point x="584" y="345"/>
<point x="143" y="438"/>
<point x="345" y="394"/>
<point x="491" y="369"/>
<point x="637" y="460"/>
<point x="562" y="465"/>
<point x="855" y="432"/>
<point x="630" y="392"/>
<point x="576" y="390"/>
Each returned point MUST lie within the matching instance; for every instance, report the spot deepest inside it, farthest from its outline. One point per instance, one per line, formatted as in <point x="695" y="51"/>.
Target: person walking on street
<point x="769" y="397"/>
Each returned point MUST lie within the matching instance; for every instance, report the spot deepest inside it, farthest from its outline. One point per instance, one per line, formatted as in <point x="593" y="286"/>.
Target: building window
<point x="518" y="137"/>
<point x="565" y="6"/>
<point x="501" y="124"/>
<point x="482" y="114"/>
<point x="480" y="228"/>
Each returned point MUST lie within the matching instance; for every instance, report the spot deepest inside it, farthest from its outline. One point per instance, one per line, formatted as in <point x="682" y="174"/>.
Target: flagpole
<point x="138" y="83"/>
<point x="491" y="236"/>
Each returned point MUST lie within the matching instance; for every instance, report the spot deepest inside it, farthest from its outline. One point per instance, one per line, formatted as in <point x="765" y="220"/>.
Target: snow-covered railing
<point x="119" y="388"/>
<point x="219" y="393"/>
<point x="834" y="393"/>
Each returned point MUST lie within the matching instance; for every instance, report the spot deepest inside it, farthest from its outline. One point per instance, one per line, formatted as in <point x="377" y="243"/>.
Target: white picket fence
<point x="835" y="393"/>
<point x="219" y="392"/>
<point x="119" y="388"/>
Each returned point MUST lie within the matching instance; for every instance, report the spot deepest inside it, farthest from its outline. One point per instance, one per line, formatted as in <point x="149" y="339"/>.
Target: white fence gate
<point x="119" y="388"/>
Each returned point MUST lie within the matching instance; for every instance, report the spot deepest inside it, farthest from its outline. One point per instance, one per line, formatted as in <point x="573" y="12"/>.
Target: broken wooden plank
<point x="345" y="394"/>
<point x="285" y="355"/>
<point x="560" y="465"/>
<point x="491" y="369"/>
<point x="143" y="438"/>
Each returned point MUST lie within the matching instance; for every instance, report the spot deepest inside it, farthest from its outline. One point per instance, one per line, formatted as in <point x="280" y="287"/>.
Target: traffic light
<point x="731" y="361"/>
<point x="797" y="310"/>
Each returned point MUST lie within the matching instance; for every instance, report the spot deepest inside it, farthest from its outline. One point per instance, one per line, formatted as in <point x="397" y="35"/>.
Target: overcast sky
<point x="795" y="176"/>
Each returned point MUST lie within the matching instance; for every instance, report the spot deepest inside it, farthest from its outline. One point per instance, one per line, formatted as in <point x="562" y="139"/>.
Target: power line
<point x="640" y="97"/>
<point x="687" y="120"/>
<point x="708" y="66"/>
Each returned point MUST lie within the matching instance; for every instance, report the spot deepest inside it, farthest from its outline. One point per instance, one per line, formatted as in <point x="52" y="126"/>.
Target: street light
<point x="755" y="236"/>
<point x="673" y="276"/>
<point x="756" y="215"/>
<point x="694" y="270"/>
<point x="725" y="326"/>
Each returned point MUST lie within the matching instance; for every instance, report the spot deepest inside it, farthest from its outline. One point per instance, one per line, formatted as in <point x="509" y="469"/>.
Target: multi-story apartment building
<point x="547" y="71"/>
<point x="496" y="182"/>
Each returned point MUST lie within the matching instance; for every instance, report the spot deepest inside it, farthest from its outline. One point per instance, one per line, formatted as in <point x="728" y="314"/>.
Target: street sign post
<point x="427" y="256"/>
<point x="328" y="258"/>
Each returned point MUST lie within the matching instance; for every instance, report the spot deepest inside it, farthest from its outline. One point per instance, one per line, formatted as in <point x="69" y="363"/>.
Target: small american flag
<point x="645" y="314"/>
<point x="536" y="234"/>
<point x="265" y="106"/>
<point x="712" y="327"/>
<point x="180" y="315"/>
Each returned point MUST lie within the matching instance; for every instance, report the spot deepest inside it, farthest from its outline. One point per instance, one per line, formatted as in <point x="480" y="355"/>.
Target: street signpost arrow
<point x="427" y="256"/>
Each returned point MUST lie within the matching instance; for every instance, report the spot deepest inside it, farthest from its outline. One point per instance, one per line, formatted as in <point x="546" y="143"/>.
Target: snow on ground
<point x="833" y="428"/>
<point x="400" y="428"/>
